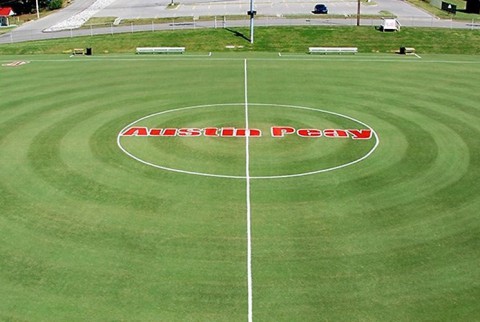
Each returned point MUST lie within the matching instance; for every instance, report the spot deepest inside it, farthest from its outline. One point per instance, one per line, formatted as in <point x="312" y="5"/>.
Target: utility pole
<point x="358" y="12"/>
<point x="38" y="11"/>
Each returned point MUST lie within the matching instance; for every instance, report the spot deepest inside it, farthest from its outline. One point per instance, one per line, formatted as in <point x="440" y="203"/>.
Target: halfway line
<point x="247" y="176"/>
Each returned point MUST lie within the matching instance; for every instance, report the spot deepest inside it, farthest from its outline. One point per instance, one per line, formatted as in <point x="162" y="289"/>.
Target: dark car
<point x="320" y="8"/>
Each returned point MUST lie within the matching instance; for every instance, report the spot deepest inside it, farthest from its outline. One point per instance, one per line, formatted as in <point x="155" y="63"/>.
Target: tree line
<point x="30" y="6"/>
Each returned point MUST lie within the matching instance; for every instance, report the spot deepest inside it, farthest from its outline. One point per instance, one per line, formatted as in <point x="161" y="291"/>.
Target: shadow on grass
<point x="238" y="34"/>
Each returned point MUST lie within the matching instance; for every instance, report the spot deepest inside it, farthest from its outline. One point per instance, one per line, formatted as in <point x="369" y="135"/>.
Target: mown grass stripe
<point x="88" y="232"/>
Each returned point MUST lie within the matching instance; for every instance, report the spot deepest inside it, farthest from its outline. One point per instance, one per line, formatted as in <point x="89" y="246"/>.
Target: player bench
<point x="332" y="50"/>
<point x="160" y="50"/>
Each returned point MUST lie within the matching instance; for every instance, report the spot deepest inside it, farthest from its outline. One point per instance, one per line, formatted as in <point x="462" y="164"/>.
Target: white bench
<point x="160" y="50"/>
<point x="78" y="51"/>
<point x="407" y="50"/>
<point x="332" y="50"/>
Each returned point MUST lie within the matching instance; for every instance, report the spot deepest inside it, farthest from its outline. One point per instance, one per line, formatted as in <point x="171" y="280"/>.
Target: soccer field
<point x="229" y="187"/>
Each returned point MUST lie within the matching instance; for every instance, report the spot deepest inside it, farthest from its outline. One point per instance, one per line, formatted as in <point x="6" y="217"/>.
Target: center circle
<point x="282" y="140"/>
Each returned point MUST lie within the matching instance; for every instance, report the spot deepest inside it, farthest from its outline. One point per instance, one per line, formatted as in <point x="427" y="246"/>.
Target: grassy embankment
<point x="267" y="39"/>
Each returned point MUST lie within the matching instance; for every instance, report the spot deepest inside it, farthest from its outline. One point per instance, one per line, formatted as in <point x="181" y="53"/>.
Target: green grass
<point x="271" y="39"/>
<point x="460" y="14"/>
<point x="89" y="233"/>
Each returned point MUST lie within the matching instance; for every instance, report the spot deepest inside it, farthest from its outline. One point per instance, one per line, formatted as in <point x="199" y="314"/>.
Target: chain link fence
<point x="223" y="22"/>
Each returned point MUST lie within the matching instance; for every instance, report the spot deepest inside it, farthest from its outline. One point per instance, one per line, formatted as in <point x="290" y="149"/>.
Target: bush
<point x="55" y="4"/>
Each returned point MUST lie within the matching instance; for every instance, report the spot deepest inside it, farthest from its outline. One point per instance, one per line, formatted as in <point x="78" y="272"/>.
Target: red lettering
<point x="189" y="132"/>
<point x="331" y="133"/>
<point x="210" y="131"/>
<point x="280" y="131"/>
<point x="254" y="132"/>
<point x="276" y="131"/>
<point x="361" y="134"/>
<point x="169" y="132"/>
<point x="136" y="131"/>
<point x="249" y="132"/>
<point x="309" y="133"/>
<point x="227" y="131"/>
<point x="155" y="132"/>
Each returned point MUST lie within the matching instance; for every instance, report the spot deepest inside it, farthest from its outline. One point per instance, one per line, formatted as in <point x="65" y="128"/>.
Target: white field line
<point x="249" y="213"/>
<point x="283" y="57"/>
<point x="340" y="57"/>
<point x="144" y="57"/>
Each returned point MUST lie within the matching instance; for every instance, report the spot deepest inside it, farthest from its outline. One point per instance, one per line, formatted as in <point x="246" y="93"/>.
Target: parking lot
<point x="125" y="9"/>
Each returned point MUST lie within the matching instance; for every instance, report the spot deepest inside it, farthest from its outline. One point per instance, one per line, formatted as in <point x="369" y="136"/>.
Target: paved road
<point x="82" y="10"/>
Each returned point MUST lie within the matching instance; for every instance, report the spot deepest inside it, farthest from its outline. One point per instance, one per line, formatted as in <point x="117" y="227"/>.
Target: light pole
<point x="252" y="14"/>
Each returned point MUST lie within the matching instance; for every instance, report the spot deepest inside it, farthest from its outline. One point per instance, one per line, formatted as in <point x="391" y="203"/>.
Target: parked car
<point x="320" y="9"/>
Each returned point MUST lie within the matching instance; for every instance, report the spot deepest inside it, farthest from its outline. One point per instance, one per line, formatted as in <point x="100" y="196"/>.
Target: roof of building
<point x="6" y="11"/>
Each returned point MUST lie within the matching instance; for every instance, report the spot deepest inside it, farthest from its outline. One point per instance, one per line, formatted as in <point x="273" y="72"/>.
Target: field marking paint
<point x="145" y="57"/>
<point x="294" y="175"/>
<point x="377" y="141"/>
<point x="249" y="225"/>
<point x="401" y="60"/>
<point x="351" y="58"/>
<point x="167" y="168"/>
<point x="284" y="57"/>
<point x="16" y="63"/>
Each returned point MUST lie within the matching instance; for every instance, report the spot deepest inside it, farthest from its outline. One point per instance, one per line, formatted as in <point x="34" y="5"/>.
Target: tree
<point x="55" y="4"/>
<point x="24" y="6"/>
